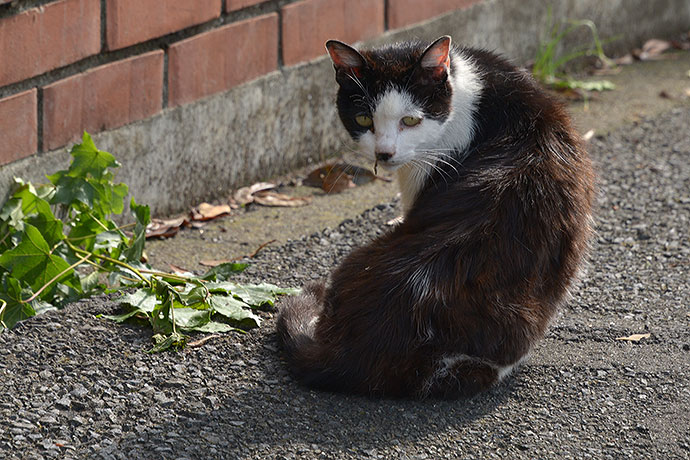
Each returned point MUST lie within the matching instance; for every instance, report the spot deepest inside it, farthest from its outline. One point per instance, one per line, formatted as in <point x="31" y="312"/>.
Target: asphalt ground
<point x="75" y="386"/>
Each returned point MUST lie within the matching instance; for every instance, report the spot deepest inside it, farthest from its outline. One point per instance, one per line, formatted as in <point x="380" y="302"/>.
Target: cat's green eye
<point x="411" y="121"/>
<point x="364" y="121"/>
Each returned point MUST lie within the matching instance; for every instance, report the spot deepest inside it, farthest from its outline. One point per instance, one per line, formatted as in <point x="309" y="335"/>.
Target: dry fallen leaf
<point x="207" y="211"/>
<point x="269" y="198"/>
<point x="337" y="183"/>
<point x="652" y="49"/>
<point x="665" y="95"/>
<point x="165" y="228"/>
<point x="336" y="177"/>
<point x="245" y="195"/>
<point x="634" y="337"/>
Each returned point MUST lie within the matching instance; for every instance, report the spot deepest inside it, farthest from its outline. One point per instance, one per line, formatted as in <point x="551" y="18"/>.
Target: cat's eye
<point x="411" y="121"/>
<point x="364" y="121"/>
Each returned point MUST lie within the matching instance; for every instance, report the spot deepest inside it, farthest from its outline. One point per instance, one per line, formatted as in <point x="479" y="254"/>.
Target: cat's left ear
<point x="345" y="58"/>
<point x="435" y="60"/>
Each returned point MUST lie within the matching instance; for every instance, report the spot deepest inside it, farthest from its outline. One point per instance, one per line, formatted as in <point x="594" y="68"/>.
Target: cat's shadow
<point x="282" y="413"/>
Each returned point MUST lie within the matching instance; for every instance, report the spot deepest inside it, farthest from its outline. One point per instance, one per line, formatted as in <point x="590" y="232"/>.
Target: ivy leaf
<point x="162" y="342"/>
<point x="255" y="295"/>
<point x="235" y="311"/>
<point x="223" y="271"/>
<point x="12" y="308"/>
<point x="136" y="246"/>
<point x="191" y="318"/>
<point x="142" y="300"/>
<point x="89" y="160"/>
<point x="32" y="261"/>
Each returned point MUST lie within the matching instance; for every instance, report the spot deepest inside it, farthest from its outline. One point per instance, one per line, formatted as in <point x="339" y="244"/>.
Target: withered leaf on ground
<point x="634" y="337"/>
<point x="336" y="177"/>
<point x="208" y="211"/>
<point x="245" y="195"/>
<point x="269" y="198"/>
<point x="165" y="228"/>
<point x="652" y="49"/>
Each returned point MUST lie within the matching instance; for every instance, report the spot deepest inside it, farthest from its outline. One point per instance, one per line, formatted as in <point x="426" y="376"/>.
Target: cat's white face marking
<point x="417" y="149"/>
<point x="390" y="135"/>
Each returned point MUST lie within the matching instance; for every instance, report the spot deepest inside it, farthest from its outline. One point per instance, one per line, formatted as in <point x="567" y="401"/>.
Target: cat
<point x="497" y="193"/>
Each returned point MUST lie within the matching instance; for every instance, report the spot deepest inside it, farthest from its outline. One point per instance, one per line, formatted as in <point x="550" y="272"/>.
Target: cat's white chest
<point x="411" y="180"/>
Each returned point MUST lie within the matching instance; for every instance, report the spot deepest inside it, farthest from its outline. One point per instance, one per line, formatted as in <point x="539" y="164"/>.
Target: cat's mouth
<point x="388" y="165"/>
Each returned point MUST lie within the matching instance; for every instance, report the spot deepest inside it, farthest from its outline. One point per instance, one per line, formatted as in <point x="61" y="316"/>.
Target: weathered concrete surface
<point x="636" y="96"/>
<point x="287" y="119"/>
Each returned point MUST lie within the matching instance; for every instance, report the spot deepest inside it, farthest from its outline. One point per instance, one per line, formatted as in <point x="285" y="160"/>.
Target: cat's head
<point x="393" y="100"/>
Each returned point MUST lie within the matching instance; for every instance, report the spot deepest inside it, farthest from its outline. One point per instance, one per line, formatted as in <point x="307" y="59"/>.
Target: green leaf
<point x="89" y="160"/>
<point x="214" y="326"/>
<point x="37" y="212"/>
<point x="235" y="311"/>
<point x="197" y="294"/>
<point x="136" y="246"/>
<point x="223" y="271"/>
<point x="163" y="343"/>
<point x="143" y="300"/>
<point x="70" y="190"/>
<point x="191" y="318"/>
<point x="32" y="261"/>
<point x="12" y="309"/>
<point x="257" y="295"/>
<point x="122" y="317"/>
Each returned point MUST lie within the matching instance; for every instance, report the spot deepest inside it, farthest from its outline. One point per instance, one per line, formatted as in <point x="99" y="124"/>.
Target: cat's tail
<point x="296" y="326"/>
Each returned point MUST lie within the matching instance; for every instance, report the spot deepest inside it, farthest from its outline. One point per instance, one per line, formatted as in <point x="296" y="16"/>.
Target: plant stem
<point x="57" y="277"/>
<point x="111" y="260"/>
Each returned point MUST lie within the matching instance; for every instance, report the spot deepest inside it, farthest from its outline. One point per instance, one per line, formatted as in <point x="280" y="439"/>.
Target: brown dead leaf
<point x="269" y="198"/>
<point x="337" y="183"/>
<point x="634" y="337"/>
<point x="165" y="228"/>
<point x="652" y="49"/>
<point x="207" y="211"/>
<point x="664" y="94"/>
<point x="179" y="270"/>
<point x="245" y="195"/>
<point x="336" y="177"/>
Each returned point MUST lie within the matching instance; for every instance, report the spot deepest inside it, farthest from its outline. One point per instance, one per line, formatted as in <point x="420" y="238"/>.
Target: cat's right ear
<point x="346" y="59"/>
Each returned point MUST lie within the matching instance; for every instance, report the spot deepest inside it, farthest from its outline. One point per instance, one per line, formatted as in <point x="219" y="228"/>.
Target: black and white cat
<point x="497" y="195"/>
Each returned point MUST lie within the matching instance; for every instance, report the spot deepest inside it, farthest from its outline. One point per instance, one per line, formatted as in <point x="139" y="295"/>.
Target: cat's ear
<point x="345" y="58"/>
<point x="435" y="60"/>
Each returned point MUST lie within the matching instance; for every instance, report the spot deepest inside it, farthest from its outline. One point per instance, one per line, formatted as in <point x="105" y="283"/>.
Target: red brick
<point x="217" y="60"/>
<point x="18" y="126"/>
<point x="45" y="38"/>
<point x="135" y="21"/>
<point x="102" y="98"/>
<point x="309" y="23"/>
<point x="232" y="5"/>
<point x="405" y="12"/>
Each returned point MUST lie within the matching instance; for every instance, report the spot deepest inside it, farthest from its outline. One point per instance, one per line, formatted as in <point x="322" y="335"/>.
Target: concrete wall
<point x="197" y="130"/>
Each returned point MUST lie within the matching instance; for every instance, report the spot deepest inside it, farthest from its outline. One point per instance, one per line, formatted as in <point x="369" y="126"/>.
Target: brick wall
<point x="72" y="65"/>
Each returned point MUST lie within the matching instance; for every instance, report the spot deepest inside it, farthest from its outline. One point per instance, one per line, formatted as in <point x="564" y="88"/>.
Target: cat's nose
<point x="383" y="156"/>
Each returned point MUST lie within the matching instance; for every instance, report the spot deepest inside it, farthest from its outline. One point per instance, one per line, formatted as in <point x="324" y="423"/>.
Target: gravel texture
<point x="74" y="386"/>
